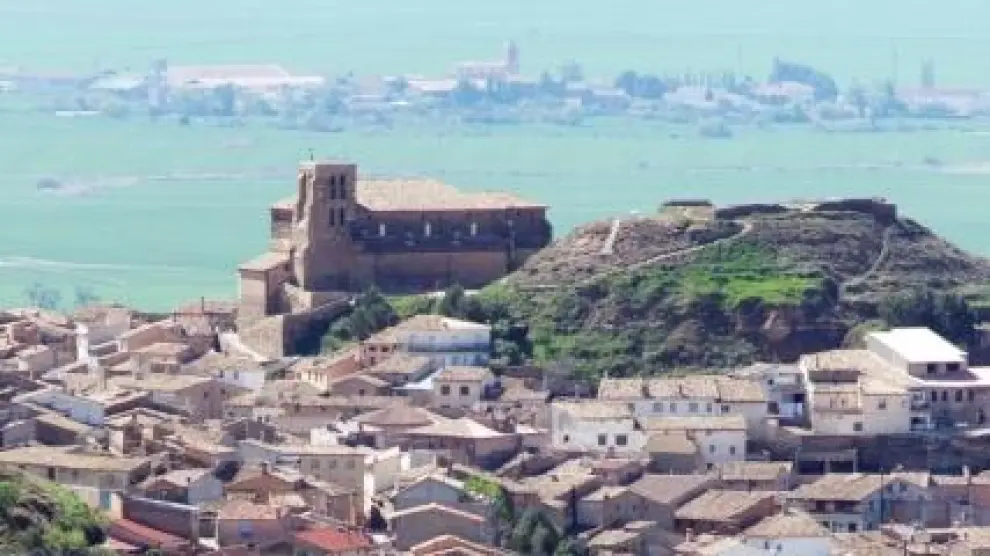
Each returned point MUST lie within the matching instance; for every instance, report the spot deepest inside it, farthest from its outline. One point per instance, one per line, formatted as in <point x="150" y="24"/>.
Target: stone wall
<point x="878" y="208"/>
<point x="734" y="212"/>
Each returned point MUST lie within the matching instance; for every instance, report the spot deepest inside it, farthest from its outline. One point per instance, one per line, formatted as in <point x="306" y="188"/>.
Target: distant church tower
<point x="158" y="85"/>
<point x="512" y="58"/>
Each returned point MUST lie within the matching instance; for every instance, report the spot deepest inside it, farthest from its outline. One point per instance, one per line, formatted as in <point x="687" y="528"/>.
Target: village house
<point x="790" y="532"/>
<point x="422" y="523"/>
<point x="857" y="501"/>
<point x="202" y="397"/>
<point x="444" y="340"/>
<point x="185" y="486"/>
<point x="756" y="475"/>
<point x="435" y="488"/>
<point x="241" y="522"/>
<point x="725" y="512"/>
<point x="609" y="506"/>
<point x="92" y="406"/>
<point x="384" y="427"/>
<point x="593" y="426"/>
<point x="663" y="495"/>
<point x="264" y="484"/>
<point x="450" y="545"/>
<point x="96" y="476"/>
<point x="359" y="385"/>
<point x="401" y="369"/>
<point x="719" y="438"/>
<point x="691" y="396"/>
<point x="462" y="387"/>
<point x="783" y="385"/>
<point x="464" y="441"/>
<point x="320" y="372"/>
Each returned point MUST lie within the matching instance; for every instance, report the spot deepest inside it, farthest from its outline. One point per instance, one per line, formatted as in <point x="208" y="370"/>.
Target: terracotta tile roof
<point x="714" y="387"/>
<point x="754" y="470"/>
<point x="595" y="410"/>
<point x="456" y="428"/>
<point x="721" y="505"/>
<point x="463" y="374"/>
<point x="673" y="442"/>
<point x="132" y="532"/>
<point x="401" y="364"/>
<point x="333" y="540"/>
<point x="669" y="489"/>
<point x="398" y="416"/>
<point x="367" y="379"/>
<point x="693" y="423"/>
<point x="431" y="195"/>
<point x="424" y="323"/>
<point x="846" y="487"/>
<point x="788" y="524"/>
<point x="60" y="457"/>
<point x="438" y="508"/>
<point x="245" y="510"/>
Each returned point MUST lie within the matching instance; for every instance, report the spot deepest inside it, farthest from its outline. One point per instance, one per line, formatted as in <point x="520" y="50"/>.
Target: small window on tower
<point x="333" y="189"/>
<point x="343" y="187"/>
<point x="381" y="230"/>
<point x="426" y="229"/>
<point x="342" y="219"/>
<point x="474" y="229"/>
<point x="333" y="217"/>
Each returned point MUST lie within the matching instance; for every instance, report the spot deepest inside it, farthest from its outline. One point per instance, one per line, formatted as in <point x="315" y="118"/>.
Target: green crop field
<point x="169" y="211"/>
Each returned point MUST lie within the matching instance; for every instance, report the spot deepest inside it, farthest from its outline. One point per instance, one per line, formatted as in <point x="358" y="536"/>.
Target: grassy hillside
<point x="39" y="517"/>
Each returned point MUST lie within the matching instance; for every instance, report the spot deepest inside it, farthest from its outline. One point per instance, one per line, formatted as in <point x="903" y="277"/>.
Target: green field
<point x="156" y="234"/>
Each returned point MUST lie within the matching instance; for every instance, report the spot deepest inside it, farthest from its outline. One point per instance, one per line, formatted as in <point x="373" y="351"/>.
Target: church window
<point x="426" y="229"/>
<point x="343" y="187"/>
<point x="333" y="191"/>
<point x="474" y="229"/>
<point x="381" y="230"/>
<point x="342" y="219"/>
<point x="333" y="215"/>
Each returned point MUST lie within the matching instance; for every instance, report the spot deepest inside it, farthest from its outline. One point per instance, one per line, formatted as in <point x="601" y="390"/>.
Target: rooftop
<point x="463" y="374"/>
<point x="438" y="508"/>
<point x="246" y="510"/>
<point x="595" y="410"/>
<point x="398" y="416"/>
<point x="333" y="540"/>
<point x="723" y="388"/>
<point x="669" y="489"/>
<point x="456" y="428"/>
<point x="754" y="470"/>
<point x="788" y="524"/>
<point x="60" y="457"/>
<point x="400" y="364"/>
<point x="265" y="262"/>
<point x="426" y="323"/>
<point x="919" y="345"/>
<point x="721" y="505"/>
<point x="734" y="422"/>
<point x="431" y="195"/>
<point x="851" y="487"/>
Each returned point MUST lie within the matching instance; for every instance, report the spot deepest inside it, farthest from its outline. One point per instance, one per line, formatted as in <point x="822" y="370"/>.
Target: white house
<point x="446" y="341"/>
<point x="462" y="387"/>
<point x="720" y="439"/>
<point x="691" y="396"/>
<point x="251" y="377"/>
<point x="789" y="533"/>
<point x="594" y="426"/>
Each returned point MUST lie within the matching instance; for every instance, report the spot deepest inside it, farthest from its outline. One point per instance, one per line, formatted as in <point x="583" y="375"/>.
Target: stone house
<point x="725" y="512"/>
<point x="430" y="489"/>
<point x="856" y="502"/>
<point x="609" y="506"/>
<point x="359" y="385"/>
<point x="663" y="495"/>
<point x="263" y="484"/>
<point x="445" y="341"/>
<point x="202" y="397"/>
<point x="719" y="438"/>
<point x="462" y="387"/>
<point x="464" y="441"/>
<point x="422" y="523"/>
<point x="789" y="532"/>
<point x="401" y="369"/>
<point x="593" y="426"/>
<point x="386" y="427"/>
<point x="185" y="486"/>
<point x="332" y="541"/>
<point x="240" y="522"/>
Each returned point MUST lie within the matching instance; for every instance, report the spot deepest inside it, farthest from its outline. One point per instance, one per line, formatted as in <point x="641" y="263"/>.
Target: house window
<point x="474" y="229"/>
<point x="852" y="527"/>
<point x="343" y="217"/>
<point x="426" y="229"/>
<point x="465" y="390"/>
<point x="333" y="216"/>
<point x="931" y="368"/>
<point x="621" y="440"/>
<point x="970" y="395"/>
<point x="332" y="464"/>
<point x="602" y="439"/>
<point x="381" y="230"/>
<point x="237" y="375"/>
<point x="858" y="427"/>
<point x="732" y="450"/>
<point x="882" y="404"/>
<point x="244" y="529"/>
<point x="693" y="407"/>
<point x="566" y="438"/>
<point x="952" y="367"/>
<point x="934" y="396"/>
<point x="445" y="390"/>
<point x="726" y="409"/>
<point x="708" y="408"/>
<point x="673" y="408"/>
<point x="945" y="395"/>
<point x="314" y="464"/>
<point x="959" y="395"/>
<point x="343" y="187"/>
<point x="333" y="188"/>
<point x="350" y="464"/>
<point x="711" y="448"/>
<point x="658" y="407"/>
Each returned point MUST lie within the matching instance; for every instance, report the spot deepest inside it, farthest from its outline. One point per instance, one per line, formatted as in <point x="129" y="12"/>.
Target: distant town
<point x="502" y="91"/>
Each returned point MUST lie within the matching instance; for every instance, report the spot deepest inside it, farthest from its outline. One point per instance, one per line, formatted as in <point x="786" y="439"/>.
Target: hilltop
<point x="700" y="286"/>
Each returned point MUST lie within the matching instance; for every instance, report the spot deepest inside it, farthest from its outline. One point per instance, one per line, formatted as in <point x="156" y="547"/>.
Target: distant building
<point x="498" y="70"/>
<point x="340" y="233"/>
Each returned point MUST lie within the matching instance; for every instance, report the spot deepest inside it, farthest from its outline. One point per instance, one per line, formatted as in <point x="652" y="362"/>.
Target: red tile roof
<point x="134" y="533"/>
<point x="331" y="539"/>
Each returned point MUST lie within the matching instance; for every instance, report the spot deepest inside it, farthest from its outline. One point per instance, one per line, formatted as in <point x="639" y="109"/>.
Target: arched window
<point x="474" y="229"/>
<point x="426" y="229"/>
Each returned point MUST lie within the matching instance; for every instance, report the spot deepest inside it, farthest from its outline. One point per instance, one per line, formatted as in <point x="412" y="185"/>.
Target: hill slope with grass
<point x="43" y="518"/>
<point x="720" y="288"/>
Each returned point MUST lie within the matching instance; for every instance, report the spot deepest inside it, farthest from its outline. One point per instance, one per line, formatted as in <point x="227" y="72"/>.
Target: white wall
<point x="253" y="379"/>
<point x="810" y="546"/>
<point x="78" y="409"/>
<point x="720" y="447"/>
<point x="569" y="433"/>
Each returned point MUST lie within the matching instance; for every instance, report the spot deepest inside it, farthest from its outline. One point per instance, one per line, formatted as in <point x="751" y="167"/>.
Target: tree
<point x="947" y="314"/>
<point x="85" y="296"/>
<point x="43" y="297"/>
